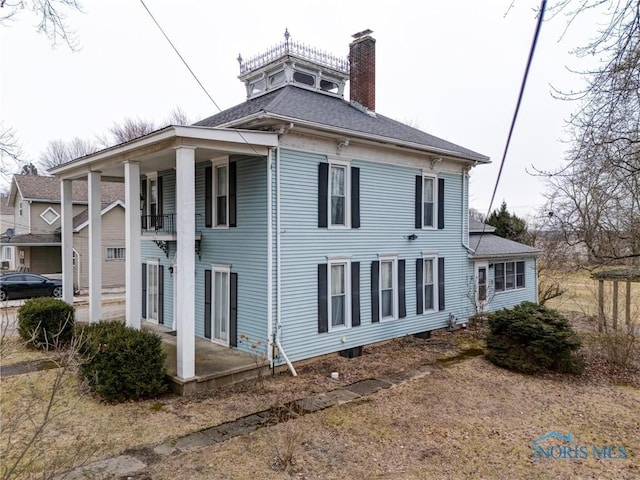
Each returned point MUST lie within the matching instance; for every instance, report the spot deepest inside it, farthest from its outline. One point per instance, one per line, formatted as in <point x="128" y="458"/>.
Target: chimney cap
<point x="362" y="33"/>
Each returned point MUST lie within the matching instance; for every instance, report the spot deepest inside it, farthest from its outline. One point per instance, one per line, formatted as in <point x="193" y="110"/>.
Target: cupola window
<point x="304" y="78"/>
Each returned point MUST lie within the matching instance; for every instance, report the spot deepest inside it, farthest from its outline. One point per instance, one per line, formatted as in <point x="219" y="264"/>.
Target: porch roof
<point x="156" y="150"/>
<point x="32" y="240"/>
<point x="493" y="246"/>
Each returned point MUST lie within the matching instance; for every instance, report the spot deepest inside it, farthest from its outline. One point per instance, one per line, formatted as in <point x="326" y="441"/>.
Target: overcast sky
<point x="451" y="68"/>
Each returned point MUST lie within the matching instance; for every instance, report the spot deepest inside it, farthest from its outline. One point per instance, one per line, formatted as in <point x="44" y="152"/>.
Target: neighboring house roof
<point x="492" y="246"/>
<point x="33" y="240"/>
<point x="81" y="220"/>
<point x="39" y="188"/>
<point x="480" y="227"/>
<point x="291" y="103"/>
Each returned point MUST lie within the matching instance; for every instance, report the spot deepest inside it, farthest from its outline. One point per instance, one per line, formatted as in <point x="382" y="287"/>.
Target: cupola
<point x="294" y="63"/>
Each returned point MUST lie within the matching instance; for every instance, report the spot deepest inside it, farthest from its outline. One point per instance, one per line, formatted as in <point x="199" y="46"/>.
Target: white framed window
<point x="429" y="201"/>
<point x="153" y="290"/>
<point x="339" y="194"/>
<point x="7" y="253"/>
<point x="116" y="253"/>
<point x="220" y="303"/>
<point x="339" y="298"/>
<point x="508" y="276"/>
<point x="430" y="282"/>
<point x="49" y="216"/>
<point x="389" y="288"/>
<point x="153" y="210"/>
<point x="221" y="191"/>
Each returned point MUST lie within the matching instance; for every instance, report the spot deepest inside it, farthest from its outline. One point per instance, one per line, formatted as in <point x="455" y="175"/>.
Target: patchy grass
<point x="471" y="420"/>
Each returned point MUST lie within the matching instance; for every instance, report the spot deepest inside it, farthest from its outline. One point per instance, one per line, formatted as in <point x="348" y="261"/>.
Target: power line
<point x="543" y="6"/>
<point x="178" y="53"/>
<point x="192" y="72"/>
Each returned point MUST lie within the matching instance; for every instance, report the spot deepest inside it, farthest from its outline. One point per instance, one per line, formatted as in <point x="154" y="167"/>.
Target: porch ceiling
<point x="156" y="151"/>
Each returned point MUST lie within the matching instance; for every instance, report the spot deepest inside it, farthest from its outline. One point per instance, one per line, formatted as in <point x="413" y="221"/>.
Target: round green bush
<point x="46" y="322"/>
<point x="121" y="363"/>
<point x="531" y="338"/>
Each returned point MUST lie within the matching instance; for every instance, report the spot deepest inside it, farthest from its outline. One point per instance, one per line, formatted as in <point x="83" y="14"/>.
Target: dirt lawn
<point x="469" y="420"/>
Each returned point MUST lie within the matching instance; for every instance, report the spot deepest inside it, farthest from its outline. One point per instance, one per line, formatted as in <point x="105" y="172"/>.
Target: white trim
<point x="347" y="194"/>
<point x="239" y="138"/>
<point x="434" y="178"/>
<point x="434" y="269"/>
<point x="78" y="265"/>
<point x="215" y="164"/>
<point x="347" y="294"/>
<point x="226" y="269"/>
<point x="115" y="257"/>
<point x="394" y="285"/>
<point x="56" y="215"/>
<point x="155" y="263"/>
<point x="270" y="258"/>
<point x="105" y="210"/>
<point x="481" y="305"/>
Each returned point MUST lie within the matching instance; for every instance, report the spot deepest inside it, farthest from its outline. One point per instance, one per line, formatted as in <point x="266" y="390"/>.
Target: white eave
<point x="357" y="134"/>
<point x="164" y="139"/>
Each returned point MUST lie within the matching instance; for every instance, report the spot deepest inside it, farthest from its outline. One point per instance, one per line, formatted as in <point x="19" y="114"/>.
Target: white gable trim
<point x="106" y="209"/>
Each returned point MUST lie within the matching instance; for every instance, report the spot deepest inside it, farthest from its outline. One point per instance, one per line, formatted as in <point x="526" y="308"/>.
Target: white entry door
<point x="482" y="287"/>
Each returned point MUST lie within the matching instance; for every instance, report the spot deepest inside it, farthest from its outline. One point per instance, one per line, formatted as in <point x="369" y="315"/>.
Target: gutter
<point x="353" y="133"/>
<point x="269" y="260"/>
<point x="279" y="271"/>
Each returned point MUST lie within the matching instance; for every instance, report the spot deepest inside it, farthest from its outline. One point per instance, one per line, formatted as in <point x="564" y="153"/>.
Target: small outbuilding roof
<point x="47" y="189"/>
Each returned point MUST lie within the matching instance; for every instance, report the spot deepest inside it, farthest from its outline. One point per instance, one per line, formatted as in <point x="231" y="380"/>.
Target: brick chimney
<point x="362" y="75"/>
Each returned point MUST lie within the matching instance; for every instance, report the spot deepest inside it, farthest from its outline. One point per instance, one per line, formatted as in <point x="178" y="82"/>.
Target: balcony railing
<point x="165" y="224"/>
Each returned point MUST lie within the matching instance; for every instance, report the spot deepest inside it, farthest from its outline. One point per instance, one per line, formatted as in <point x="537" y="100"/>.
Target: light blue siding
<point x="510" y="298"/>
<point x="244" y="248"/>
<point x="387" y="218"/>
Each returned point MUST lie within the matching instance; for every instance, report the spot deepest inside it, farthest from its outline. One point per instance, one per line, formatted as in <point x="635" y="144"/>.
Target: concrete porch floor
<point x="216" y="366"/>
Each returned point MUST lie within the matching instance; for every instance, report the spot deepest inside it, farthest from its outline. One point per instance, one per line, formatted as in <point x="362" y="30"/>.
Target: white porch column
<point x="67" y="240"/>
<point x="95" y="247"/>
<point x="133" y="277"/>
<point x="185" y="276"/>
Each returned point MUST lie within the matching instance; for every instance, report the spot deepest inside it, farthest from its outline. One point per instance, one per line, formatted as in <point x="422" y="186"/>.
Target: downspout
<point x="465" y="208"/>
<point x="270" y="258"/>
<point x="279" y="271"/>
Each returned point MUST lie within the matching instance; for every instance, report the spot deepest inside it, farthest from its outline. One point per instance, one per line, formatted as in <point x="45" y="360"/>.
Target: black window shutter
<point x="208" y="197"/>
<point x="144" y="290"/>
<point x="323" y="194"/>
<point x="161" y="294"/>
<point x="440" y="203"/>
<point x="160" y="199"/>
<point x="207" y="303"/>
<point x="440" y="283"/>
<point x="419" y="286"/>
<point x="355" y="197"/>
<point x="418" y="202"/>
<point x="233" y="310"/>
<point x="323" y="319"/>
<point x="402" y="302"/>
<point x="143" y="196"/>
<point x="232" y="194"/>
<point x="375" y="291"/>
<point x="355" y="294"/>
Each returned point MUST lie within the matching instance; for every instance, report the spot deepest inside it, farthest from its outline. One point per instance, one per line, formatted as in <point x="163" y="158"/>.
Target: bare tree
<point x="128" y="129"/>
<point x="58" y="152"/>
<point x="178" y="117"/>
<point x="594" y="199"/>
<point x="51" y="14"/>
<point x="10" y="150"/>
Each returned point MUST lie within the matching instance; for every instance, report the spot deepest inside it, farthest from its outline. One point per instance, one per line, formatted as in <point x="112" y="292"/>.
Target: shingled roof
<point x="39" y="188"/>
<point x="291" y="103"/>
<point x="492" y="246"/>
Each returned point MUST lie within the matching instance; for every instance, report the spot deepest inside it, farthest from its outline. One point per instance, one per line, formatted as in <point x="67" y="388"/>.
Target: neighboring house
<point x="504" y="272"/>
<point x="35" y="235"/>
<point x="297" y="218"/>
<point x="7" y="252"/>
